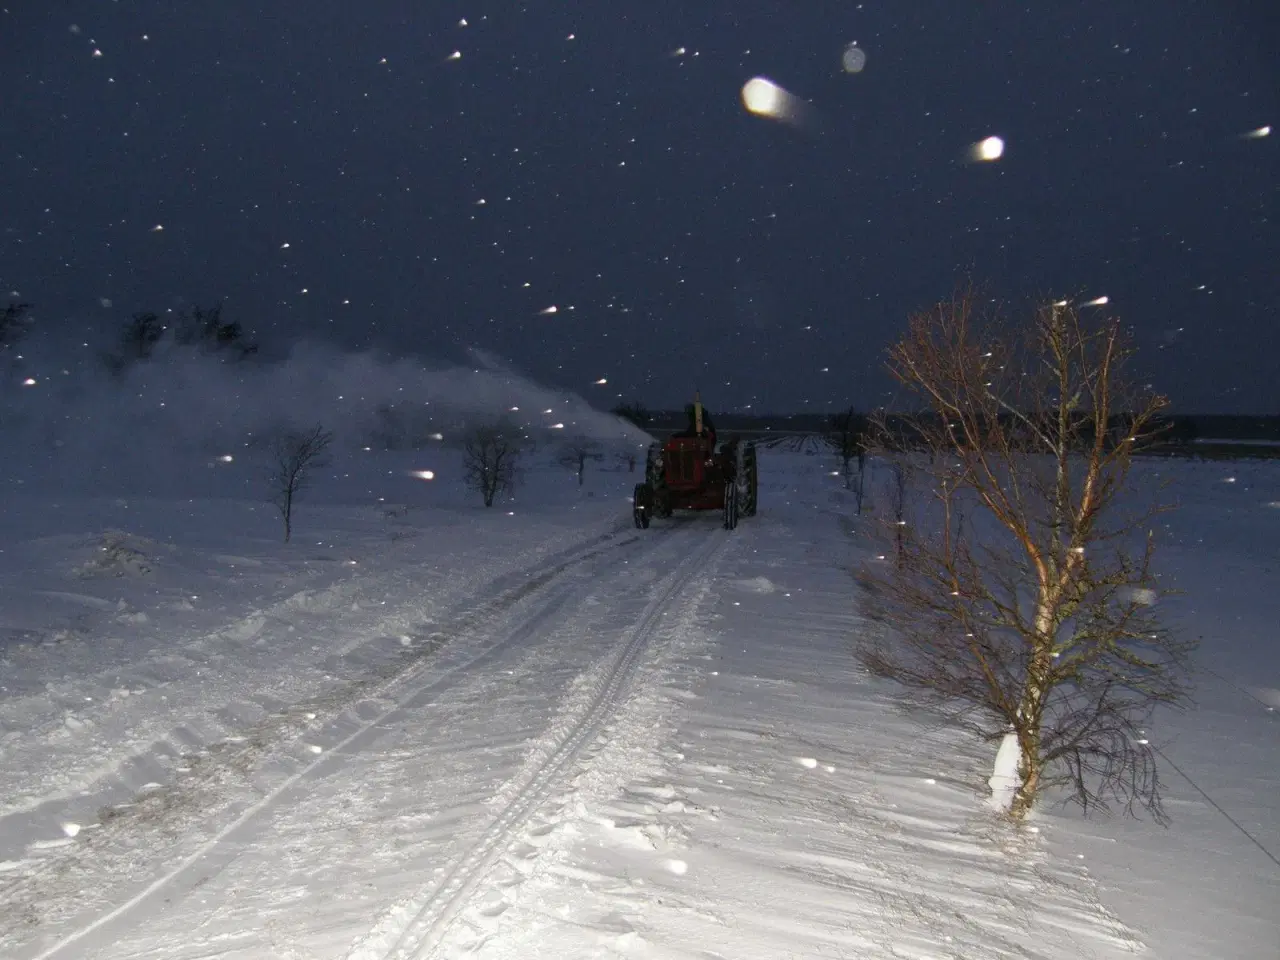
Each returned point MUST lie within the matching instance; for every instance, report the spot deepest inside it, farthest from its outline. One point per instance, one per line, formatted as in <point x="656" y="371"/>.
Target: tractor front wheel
<point x="642" y="505"/>
<point x="750" y="481"/>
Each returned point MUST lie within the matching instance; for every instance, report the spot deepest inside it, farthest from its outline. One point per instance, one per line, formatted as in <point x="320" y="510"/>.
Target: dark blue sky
<point x="684" y="241"/>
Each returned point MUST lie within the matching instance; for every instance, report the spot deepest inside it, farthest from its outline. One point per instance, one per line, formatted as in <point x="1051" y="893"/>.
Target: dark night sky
<point x="684" y="241"/>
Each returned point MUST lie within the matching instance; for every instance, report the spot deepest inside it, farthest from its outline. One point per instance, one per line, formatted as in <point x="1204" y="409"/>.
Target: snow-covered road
<point x="403" y="786"/>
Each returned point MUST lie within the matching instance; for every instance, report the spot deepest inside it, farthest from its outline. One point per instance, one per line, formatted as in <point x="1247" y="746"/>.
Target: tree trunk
<point x="1031" y="709"/>
<point x="1029" y="774"/>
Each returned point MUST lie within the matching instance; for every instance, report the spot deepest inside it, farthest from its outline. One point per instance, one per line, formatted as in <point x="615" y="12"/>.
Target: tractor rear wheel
<point x="642" y="505"/>
<point x="730" y="505"/>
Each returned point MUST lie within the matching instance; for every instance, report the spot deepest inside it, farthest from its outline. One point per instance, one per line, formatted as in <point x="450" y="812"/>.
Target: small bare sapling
<point x="490" y="460"/>
<point x="576" y="452"/>
<point x="294" y="456"/>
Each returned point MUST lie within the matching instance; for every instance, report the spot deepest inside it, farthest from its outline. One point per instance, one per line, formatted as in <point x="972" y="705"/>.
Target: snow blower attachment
<point x="690" y="472"/>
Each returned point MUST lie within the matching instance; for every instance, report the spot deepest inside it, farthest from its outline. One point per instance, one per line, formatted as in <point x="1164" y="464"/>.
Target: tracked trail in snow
<point x="108" y="856"/>
<point x="134" y="747"/>
<point x="413" y="930"/>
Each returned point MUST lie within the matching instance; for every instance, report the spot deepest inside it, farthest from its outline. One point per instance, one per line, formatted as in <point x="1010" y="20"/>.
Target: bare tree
<point x="575" y="453"/>
<point x="294" y="456"/>
<point x="899" y="488"/>
<point x="205" y="328"/>
<point x="490" y="459"/>
<point x="847" y="433"/>
<point x="140" y="336"/>
<point x="15" y="322"/>
<point x="1024" y="608"/>
<point x="634" y="412"/>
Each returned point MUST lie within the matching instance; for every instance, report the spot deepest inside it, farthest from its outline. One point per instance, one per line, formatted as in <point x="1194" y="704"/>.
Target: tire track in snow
<point x="412" y="929"/>
<point x="108" y="773"/>
<point x="339" y="710"/>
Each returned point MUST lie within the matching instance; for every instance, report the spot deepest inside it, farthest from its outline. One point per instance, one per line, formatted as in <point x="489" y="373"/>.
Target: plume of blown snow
<point x="186" y="409"/>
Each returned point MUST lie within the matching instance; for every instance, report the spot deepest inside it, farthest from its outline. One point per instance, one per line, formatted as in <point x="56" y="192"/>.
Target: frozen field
<point x="427" y="729"/>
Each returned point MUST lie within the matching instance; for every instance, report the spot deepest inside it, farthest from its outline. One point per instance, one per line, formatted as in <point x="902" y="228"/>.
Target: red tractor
<point x="690" y="472"/>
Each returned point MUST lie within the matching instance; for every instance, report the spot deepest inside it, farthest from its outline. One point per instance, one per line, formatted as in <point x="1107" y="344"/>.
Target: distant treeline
<point x="1178" y="429"/>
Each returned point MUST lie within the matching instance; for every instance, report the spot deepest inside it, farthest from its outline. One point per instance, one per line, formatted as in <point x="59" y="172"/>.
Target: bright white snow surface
<point x="429" y="729"/>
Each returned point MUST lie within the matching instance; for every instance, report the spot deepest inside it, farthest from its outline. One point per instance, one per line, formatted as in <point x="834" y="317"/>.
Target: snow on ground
<point x="429" y="729"/>
<point x="1209" y="886"/>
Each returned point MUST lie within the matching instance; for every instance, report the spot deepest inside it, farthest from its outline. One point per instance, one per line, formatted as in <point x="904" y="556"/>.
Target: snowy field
<point x="427" y="729"/>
